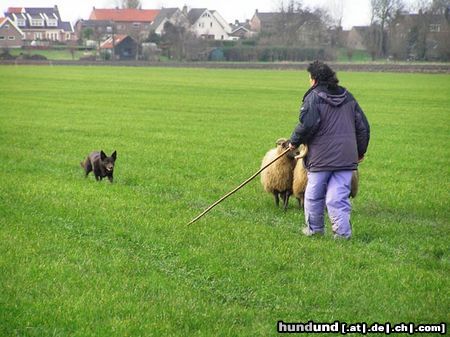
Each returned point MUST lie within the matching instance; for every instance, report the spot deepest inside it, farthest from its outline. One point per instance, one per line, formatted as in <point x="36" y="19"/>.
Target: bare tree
<point x="296" y="25"/>
<point x="336" y="10"/>
<point x="440" y="6"/>
<point x="383" y="11"/>
<point x="179" y="43"/>
<point x="137" y="4"/>
<point x="417" y="5"/>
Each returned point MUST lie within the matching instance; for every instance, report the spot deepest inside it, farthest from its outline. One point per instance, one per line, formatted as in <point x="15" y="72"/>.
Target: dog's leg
<point x="87" y="166"/>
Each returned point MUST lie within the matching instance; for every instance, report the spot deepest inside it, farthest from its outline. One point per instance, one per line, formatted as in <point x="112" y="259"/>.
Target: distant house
<point x="41" y="24"/>
<point x="423" y="35"/>
<point x="208" y="24"/>
<point x="124" y="46"/>
<point x="173" y="15"/>
<point x="304" y="28"/>
<point x="357" y="37"/>
<point x="265" y="22"/>
<point x="241" y="30"/>
<point x="133" y="22"/>
<point x="10" y="35"/>
<point x="93" y="30"/>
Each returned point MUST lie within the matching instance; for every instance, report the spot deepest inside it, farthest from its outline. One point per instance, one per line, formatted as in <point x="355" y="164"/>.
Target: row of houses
<point x="138" y="23"/>
<point x="44" y="26"/>
<point x="26" y="26"/>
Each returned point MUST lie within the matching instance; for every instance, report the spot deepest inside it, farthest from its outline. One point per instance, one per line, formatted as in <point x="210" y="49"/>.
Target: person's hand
<point x="292" y="147"/>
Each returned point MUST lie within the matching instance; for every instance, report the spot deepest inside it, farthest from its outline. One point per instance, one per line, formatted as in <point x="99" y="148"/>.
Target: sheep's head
<point x="283" y="144"/>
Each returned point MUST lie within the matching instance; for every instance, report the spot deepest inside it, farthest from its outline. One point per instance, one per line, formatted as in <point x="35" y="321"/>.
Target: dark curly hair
<point x="323" y="74"/>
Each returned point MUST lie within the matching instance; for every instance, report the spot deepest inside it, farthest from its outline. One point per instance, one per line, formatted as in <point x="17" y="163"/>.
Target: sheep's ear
<point x="114" y="155"/>
<point x="102" y="155"/>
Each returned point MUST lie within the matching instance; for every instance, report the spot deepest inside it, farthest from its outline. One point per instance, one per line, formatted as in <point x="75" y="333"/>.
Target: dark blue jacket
<point x="334" y="127"/>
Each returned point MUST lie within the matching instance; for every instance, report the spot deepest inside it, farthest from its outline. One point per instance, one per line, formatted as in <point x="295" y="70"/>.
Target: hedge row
<point x="275" y="54"/>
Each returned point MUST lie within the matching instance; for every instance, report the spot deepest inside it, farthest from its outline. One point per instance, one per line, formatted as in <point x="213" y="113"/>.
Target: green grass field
<point x="51" y="54"/>
<point x="82" y="258"/>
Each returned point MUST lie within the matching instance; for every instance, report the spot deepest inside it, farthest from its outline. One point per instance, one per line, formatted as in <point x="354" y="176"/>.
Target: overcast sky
<point x="355" y="12"/>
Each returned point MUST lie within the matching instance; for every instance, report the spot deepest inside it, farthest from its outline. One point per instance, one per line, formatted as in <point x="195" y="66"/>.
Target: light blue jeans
<point x="330" y="188"/>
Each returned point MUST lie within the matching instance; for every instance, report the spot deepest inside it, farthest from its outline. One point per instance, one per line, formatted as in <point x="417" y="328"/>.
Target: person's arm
<point x="362" y="128"/>
<point x="309" y="120"/>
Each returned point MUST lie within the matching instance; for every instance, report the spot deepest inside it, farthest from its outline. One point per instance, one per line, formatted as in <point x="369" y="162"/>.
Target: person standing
<point x="337" y="133"/>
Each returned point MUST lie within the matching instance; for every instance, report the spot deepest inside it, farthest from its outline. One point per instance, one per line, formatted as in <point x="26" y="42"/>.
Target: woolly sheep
<point x="277" y="178"/>
<point x="300" y="179"/>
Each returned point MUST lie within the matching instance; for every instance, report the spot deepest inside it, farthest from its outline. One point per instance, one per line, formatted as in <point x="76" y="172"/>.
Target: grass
<point x="51" y="54"/>
<point x="81" y="258"/>
<point x="358" y="56"/>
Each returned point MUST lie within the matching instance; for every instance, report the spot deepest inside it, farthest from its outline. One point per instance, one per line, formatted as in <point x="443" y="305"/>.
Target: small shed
<point x="125" y="47"/>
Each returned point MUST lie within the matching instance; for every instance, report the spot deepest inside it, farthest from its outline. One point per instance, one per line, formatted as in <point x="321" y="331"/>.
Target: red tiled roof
<point x="117" y="39"/>
<point x="16" y="10"/>
<point x="1" y="20"/>
<point x="133" y="15"/>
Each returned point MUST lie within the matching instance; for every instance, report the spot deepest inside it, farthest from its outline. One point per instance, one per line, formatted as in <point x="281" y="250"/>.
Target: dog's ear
<point x="114" y="155"/>
<point x="102" y="155"/>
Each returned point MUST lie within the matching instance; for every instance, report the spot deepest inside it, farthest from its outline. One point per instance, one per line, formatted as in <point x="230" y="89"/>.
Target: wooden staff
<point x="237" y="188"/>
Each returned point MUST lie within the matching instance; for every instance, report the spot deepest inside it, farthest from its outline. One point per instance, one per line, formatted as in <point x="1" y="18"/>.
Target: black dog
<point x="100" y="164"/>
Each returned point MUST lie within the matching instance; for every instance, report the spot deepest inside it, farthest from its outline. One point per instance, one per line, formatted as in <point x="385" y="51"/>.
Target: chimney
<point x="185" y="10"/>
<point x="236" y="22"/>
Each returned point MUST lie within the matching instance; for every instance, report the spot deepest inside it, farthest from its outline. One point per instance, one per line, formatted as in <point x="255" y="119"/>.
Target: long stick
<point x="237" y="188"/>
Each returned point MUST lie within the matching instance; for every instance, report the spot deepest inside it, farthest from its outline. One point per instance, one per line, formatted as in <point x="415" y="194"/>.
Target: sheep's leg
<point x="286" y="196"/>
<point x="277" y="200"/>
<point x="301" y="201"/>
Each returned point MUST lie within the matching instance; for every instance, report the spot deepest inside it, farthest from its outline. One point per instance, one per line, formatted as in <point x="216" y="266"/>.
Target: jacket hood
<point x="332" y="97"/>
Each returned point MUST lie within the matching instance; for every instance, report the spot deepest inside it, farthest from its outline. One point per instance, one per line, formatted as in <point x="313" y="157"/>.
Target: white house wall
<point x="222" y="21"/>
<point x="208" y="24"/>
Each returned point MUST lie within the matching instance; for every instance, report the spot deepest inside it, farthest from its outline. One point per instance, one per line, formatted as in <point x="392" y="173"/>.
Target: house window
<point x="52" y="36"/>
<point x="436" y="28"/>
<point x="20" y="22"/>
<point x="210" y="24"/>
<point x="11" y="37"/>
<point x="6" y="26"/>
<point x="2" y="37"/>
<point x="52" y="23"/>
<point x="37" y="22"/>
<point x="38" y="36"/>
<point x="136" y="25"/>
